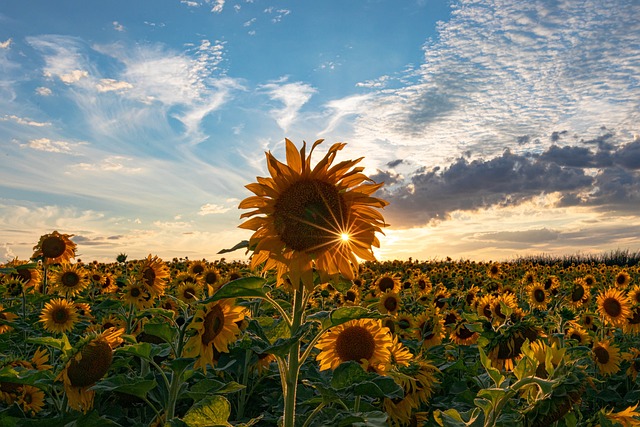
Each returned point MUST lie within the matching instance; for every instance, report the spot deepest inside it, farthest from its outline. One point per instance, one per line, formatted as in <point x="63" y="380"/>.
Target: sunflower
<point x="90" y="361"/>
<point x="352" y="296"/>
<point x="400" y="355"/>
<point x="440" y="295"/>
<point x="108" y="284"/>
<point x="429" y="328"/>
<point x="422" y="284"/>
<point x="502" y="306"/>
<point x="494" y="270"/>
<point x="484" y="305"/>
<point x="614" y="306"/>
<point x="404" y="324"/>
<point x="69" y="280"/>
<point x="542" y="352"/>
<point x="189" y="292"/>
<point x="538" y="297"/>
<point x="633" y="322"/>
<point x="216" y="326"/>
<point x="153" y="273"/>
<point x="551" y="284"/>
<point x="387" y="283"/>
<point x="322" y="217"/>
<point x="634" y="295"/>
<point x="59" y="315"/>
<point x="461" y="335"/>
<point x="505" y="349"/>
<point x="628" y="417"/>
<point x="31" y="399"/>
<point x="390" y="303"/>
<point x="30" y="277"/>
<point x="6" y="316"/>
<point x="633" y="357"/>
<point x="580" y="293"/>
<point x="136" y="294"/>
<point x="578" y="333"/>
<point x="622" y="279"/>
<point x="263" y="363"/>
<point x="197" y="267"/>
<point x="471" y="296"/>
<point x="363" y="340"/>
<point x="212" y="278"/>
<point x="606" y="357"/>
<point x="418" y="381"/>
<point x="55" y="248"/>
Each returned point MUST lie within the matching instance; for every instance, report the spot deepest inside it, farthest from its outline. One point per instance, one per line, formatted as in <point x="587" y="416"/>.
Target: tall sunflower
<point x="55" y="248"/>
<point x="614" y="306"/>
<point x="363" y="340"/>
<point x="606" y="357"/>
<point x="153" y="273"/>
<point x="216" y="326"/>
<point x="320" y="217"/>
<point x="69" y="280"/>
<point x="59" y="315"/>
<point x="89" y="363"/>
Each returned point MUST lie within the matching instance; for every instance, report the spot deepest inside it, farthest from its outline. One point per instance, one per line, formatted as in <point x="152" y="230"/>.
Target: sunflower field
<point x="313" y="331"/>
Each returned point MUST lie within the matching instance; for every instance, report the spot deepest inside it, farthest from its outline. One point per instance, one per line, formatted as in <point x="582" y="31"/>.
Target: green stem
<point x="245" y="380"/>
<point x="356" y="404"/>
<point x="315" y="412"/>
<point x="290" y="386"/>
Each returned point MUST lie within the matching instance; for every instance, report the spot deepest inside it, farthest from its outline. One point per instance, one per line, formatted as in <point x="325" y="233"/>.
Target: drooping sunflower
<point x="390" y="302"/>
<point x="320" y="217"/>
<point x="543" y="353"/>
<point x="538" y="297"/>
<point x="90" y="361"/>
<point x="429" y="328"/>
<point x="6" y="316"/>
<point x="418" y="381"/>
<point x="153" y="273"/>
<point x="352" y="296"/>
<point x="505" y="348"/>
<point x="69" y="280"/>
<point x="606" y="357"/>
<point x="216" y="326"/>
<point x="59" y="315"/>
<point x="55" y="248"/>
<point x="614" y="306"/>
<point x="30" y="277"/>
<point x="362" y="340"/>
<point x="461" y="335"/>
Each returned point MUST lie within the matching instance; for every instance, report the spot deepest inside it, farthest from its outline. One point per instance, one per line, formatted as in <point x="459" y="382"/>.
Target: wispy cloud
<point x="5" y="44"/>
<point x="117" y="26"/>
<point x="212" y="208"/>
<point x="24" y="121"/>
<point x="45" y="144"/>
<point x="292" y="95"/>
<point x="111" y="85"/>
<point x="218" y="6"/>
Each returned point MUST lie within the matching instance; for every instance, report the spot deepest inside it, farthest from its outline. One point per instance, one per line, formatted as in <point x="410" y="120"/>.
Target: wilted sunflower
<point x="69" y="280"/>
<point x="216" y="326"/>
<point x="429" y="328"/>
<point x="418" y="381"/>
<point x="389" y="303"/>
<point x="538" y="297"/>
<point x="322" y="216"/>
<point x="31" y="399"/>
<point x="606" y="357"/>
<point x="6" y="316"/>
<point x="614" y="306"/>
<point x="153" y="273"/>
<point x="59" y="315"/>
<point x="362" y="340"/>
<point x="90" y="361"/>
<point x="505" y="349"/>
<point x="55" y="248"/>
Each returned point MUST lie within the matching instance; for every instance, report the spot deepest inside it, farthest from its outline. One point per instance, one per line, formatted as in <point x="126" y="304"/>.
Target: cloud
<point x="24" y="121"/>
<point x="45" y="144"/>
<point x="190" y="3"/>
<point x="109" y="164"/>
<point x="43" y="91"/>
<point x="74" y="76"/>
<point x="292" y="95"/>
<point x="218" y="6"/>
<point x="211" y="209"/>
<point x="110" y="85"/>
<point x="6" y="44"/>
<point x="117" y="26"/>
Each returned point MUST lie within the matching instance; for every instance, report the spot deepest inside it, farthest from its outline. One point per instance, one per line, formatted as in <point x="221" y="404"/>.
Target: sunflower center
<point x="612" y="307"/>
<point x="602" y="355"/>
<point x="135" y="292"/>
<point x="60" y="316"/>
<point x="539" y="295"/>
<point x="27" y="398"/>
<point x="355" y="343"/>
<point x="308" y="214"/>
<point x="53" y="247"/>
<point x="197" y="269"/>
<point x="350" y="296"/>
<point x="576" y="336"/>
<point x="149" y="276"/>
<point x="213" y="323"/>
<point x="621" y="279"/>
<point x="486" y="310"/>
<point x="439" y="301"/>
<point x="211" y="278"/>
<point x="391" y="304"/>
<point x="70" y="279"/>
<point x="635" y="318"/>
<point x="24" y="274"/>
<point x="94" y="363"/>
<point x="404" y="324"/>
<point x="386" y="283"/>
<point x="577" y="293"/>
<point x="190" y="293"/>
<point x="463" y="332"/>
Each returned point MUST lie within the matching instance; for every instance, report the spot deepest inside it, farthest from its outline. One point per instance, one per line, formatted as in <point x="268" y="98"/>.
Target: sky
<point x="501" y="128"/>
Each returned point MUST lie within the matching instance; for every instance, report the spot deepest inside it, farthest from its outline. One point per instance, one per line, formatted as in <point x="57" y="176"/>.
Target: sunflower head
<point x="614" y="306"/>
<point x="55" y="248"/>
<point x="320" y="217"/>
<point x="59" y="315"/>
<point x="70" y="280"/>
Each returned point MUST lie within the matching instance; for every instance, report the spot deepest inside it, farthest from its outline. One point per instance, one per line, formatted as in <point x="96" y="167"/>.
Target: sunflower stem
<point x="292" y="366"/>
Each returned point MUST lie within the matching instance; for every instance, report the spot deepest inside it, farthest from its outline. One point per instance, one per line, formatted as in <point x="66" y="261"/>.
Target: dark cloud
<point x="593" y="175"/>
<point x="529" y="237"/>
<point x="392" y="164"/>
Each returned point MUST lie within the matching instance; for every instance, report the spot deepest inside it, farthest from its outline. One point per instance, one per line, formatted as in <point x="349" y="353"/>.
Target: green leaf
<point x="494" y="373"/>
<point x="210" y="411"/>
<point x="121" y="383"/>
<point x="344" y="314"/>
<point x="348" y="374"/>
<point x="240" y="288"/>
<point x="364" y="419"/>
<point x="144" y="350"/>
<point x="61" y="344"/>
<point x="453" y="418"/>
<point x="379" y="387"/>
<point x="163" y="331"/>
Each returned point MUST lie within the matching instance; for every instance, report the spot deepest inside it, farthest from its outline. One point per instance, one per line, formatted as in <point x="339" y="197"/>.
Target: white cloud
<point x="110" y="85"/>
<point x="292" y="95"/>
<point x="45" y="144"/>
<point x="118" y="26"/>
<point x="74" y="76"/>
<point x="23" y="121"/>
<point x="5" y="44"/>
<point x="210" y="209"/>
<point x="190" y="3"/>
<point x="110" y="164"/>
<point x="218" y="6"/>
<point x="43" y="91"/>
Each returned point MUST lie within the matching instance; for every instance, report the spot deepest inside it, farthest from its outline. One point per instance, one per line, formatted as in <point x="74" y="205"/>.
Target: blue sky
<point x="500" y="128"/>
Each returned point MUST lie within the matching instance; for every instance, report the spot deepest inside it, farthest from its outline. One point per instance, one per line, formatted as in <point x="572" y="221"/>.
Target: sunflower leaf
<point x="122" y="384"/>
<point x="61" y="344"/>
<point x="210" y="411"/>
<point x="240" y="288"/>
<point x="163" y="331"/>
<point x="344" y="314"/>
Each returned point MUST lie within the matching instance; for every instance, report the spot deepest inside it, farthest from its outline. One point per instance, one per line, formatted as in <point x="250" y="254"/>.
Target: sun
<point x="345" y="237"/>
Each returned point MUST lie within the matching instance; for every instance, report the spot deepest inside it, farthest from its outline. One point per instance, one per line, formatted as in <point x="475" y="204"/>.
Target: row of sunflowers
<point x="314" y="331"/>
<point x="148" y="342"/>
